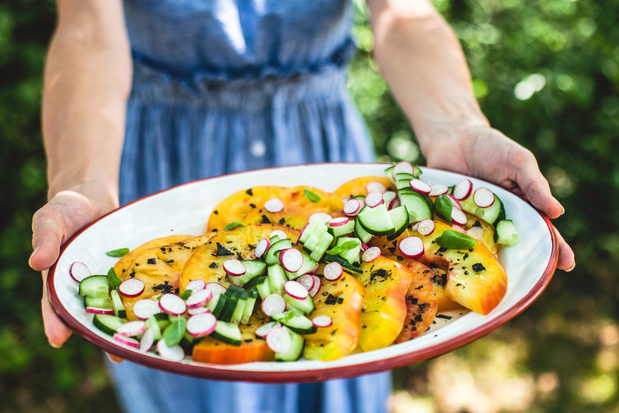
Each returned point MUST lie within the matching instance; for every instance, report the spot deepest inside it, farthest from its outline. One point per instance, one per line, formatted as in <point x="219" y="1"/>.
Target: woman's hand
<point x="483" y="152"/>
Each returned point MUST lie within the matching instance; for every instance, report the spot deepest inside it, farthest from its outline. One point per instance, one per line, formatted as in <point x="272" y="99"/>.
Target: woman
<point x="182" y="90"/>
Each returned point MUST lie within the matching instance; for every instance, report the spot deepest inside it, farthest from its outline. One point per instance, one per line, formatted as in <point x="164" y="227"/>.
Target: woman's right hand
<point x="52" y="225"/>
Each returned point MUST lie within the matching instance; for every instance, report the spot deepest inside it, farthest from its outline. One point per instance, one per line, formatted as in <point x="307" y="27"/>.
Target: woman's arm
<point x="422" y="61"/>
<point x="86" y="85"/>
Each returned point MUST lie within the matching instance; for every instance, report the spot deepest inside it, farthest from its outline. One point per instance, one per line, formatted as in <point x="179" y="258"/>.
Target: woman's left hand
<point x="485" y="153"/>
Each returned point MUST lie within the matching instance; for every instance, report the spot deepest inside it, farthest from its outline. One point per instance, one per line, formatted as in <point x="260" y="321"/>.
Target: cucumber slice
<point x="239" y="310"/>
<point x="417" y="207"/>
<point x="400" y="219"/>
<point x="253" y="268"/>
<point x="342" y="229"/>
<point x="389" y="173"/>
<point x="314" y="227"/>
<point x="154" y="325"/>
<point x="277" y="278"/>
<point x="506" y="233"/>
<point x="163" y="320"/>
<point x="99" y="302"/>
<point x="352" y="256"/>
<point x="345" y="264"/>
<point x="272" y="256"/>
<point x="263" y="287"/>
<point x="296" y="322"/>
<point x="255" y="281"/>
<point x="376" y="220"/>
<point x="295" y="349"/>
<point x="305" y="306"/>
<point x="321" y="247"/>
<point x="95" y="286"/>
<point x="362" y="234"/>
<point x="250" y="303"/>
<point x="233" y="295"/>
<point x="107" y="323"/>
<point x="119" y="308"/>
<point x="227" y="333"/>
<point x="309" y="264"/>
<point x="492" y="215"/>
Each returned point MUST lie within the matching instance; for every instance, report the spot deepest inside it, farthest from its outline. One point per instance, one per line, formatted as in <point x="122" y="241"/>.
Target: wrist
<point x="103" y="196"/>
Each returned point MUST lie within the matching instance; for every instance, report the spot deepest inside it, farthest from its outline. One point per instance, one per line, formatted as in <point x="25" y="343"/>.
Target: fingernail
<point x="560" y="206"/>
<point x="571" y="268"/>
<point x="56" y="346"/>
<point x="113" y="360"/>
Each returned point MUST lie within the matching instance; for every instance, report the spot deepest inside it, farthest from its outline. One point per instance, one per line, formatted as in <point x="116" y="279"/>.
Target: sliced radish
<point x="132" y="329"/>
<point x="274" y="205"/>
<point x="262" y="247"/>
<point x="199" y="298"/>
<point x="128" y="341"/>
<point x="320" y="216"/>
<point x="375" y="186"/>
<point x="78" y="271"/>
<point x="338" y="222"/>
<point x="438" y="189"/>
<point x="371" y="254"/>
<point x="420" y="186"/>
<point x="374" y="199"/>
<point x="97" y="310"/>
<point x="234" y="268"/>
<point x="273" y="304"/>
<point x="364" y="247"/>
<point x="196" y="311"/>
<point x="393" y="204"/>
<point x="411" y="247"/>
<point x="483" y="197"/>
<point x="352" y="207"/>
<point x="307" y="281"/>
<point x="146" y="308"/>
<point x="426" y="227"/>
<point x="201" y="325"/>
<point x="458" y="217"/>
<point x="458" y="228"/>
<point x="278" y="233"/>
<point x="196" y="285"/>
<point x="295" y="290"/>
<point x="316" y="287"/>
<point x="322" y="321"/>
<point x="216" y="288"/>
<point x="333" y="271"/>
<point x="463" y="189"/>
<point x="131" y="287"/>
<point x="455" y="202"/>
<point x="475" y="232"/>
<point x="403" y="166"/>
<point x="291" y="259"/>
<point x="415" y="226"/>
<point x="174" y="353"/>
<point x="389" y="196"/>
<point x="279" y="340"/>
<point x="263" y="330"/>
<point x="172" y="304"/>
<point x="147" y="341"/>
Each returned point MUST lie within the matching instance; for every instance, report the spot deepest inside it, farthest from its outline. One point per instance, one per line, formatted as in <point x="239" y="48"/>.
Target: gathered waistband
<point x="153" y="87"/>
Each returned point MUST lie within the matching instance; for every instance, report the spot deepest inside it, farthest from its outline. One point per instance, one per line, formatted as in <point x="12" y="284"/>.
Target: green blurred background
<point x="546" y="73"/>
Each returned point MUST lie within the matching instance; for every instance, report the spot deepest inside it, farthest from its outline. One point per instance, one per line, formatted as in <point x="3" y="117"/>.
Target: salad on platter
<point x="289" y="273"/>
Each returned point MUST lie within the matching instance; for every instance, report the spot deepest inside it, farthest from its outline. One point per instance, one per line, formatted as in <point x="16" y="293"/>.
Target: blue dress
<point x="222" y="86"/>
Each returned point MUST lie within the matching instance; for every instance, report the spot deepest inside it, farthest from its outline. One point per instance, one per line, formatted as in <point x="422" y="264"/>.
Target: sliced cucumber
<point x="342" y="229"/>
<point x="400" y="219"/>
<point x="295" y="350"/>
<point x="95" y="286"/>
<point x="239" y="310"/>
<point x="321" y="247"/>
<point x="492" y="215"/>
<point x="314" y="227"/>
<point x="154" y="325"/>
<point x="227" y="333"/>
<point x="345" y="265"/>
<point x="305" y="306"/>
<point x="263" y="287"/>
<point x="253" y="268"/>
<point x="99" y="302"/>
<point x="376" y="220"/>
<point x="233" y="295"/>
<point x="119" y="308"/>
<point x="506" y="233"/>
<point x="277" y="278"/>
<point x="250" y="303"/>
<point x="163" y="320"/>
<point x="272" y="254"/>
<point x="416" y="205"/>
<point x="296" y="321"/>
<point x="362" y="234"/>
<point x="309" y="264"/>
<point x="107" y="323"/>
<point x="352" y="256"/>
<point x="389" y="173"/>
<point x="255" y="281"/>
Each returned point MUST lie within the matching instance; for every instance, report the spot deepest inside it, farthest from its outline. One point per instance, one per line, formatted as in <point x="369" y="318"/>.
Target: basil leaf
<point x="233" y="225"/>
<point x="186" y="294"/>
<point x="443" y="207"/>
<point x="346" y="246"/>
<point x="112" y="279"/>
<point x="311" y="196"/>
<point x="118" y="253"/>
<point x="455" y="240"/>
<point x="174" y="333"/>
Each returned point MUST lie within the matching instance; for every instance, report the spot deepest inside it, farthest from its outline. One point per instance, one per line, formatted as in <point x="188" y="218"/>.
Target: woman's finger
<point x="567" y="259"/>
<point x="55" y="330"/>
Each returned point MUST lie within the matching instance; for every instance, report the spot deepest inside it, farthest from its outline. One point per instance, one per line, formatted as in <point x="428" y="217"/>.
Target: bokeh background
<point x="546" y="73"/>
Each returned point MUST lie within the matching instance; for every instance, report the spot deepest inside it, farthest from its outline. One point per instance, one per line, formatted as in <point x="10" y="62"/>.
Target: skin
<point x="87" y="82"/>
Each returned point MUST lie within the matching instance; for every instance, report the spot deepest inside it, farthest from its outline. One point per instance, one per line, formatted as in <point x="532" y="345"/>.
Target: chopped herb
<point x="221" y="250"/>
<point x="151" y="261"/>
<point x="112" y="279"/>
<point x="213" y="265"/>
<point x="186" y="294"/>
<point x="175" y="332"/>
<point x="455" y="240"/>
<point x="345" y="246"/>
<point x="118" y="253"/>
<point x="311" y="196"/>
<point x="478" y="267"/>
<point x="250" y="192"/>
<point x="233" y="225"/>
<point x="265" y="220"/>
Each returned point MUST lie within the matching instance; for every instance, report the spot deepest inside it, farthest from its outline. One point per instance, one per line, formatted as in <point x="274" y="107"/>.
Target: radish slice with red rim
<point x="371" y="254"/>
<point x="393" y="204"/>
<point x="273" y="304"/>
<point x="262" y="247"/>
<point x="131" y="329"/>
<point x="199" y="298"/>
<point x="389" y="196"/>
<point x="438" y="189"/>
<point x="131" y="287"/>
<point x="333" y="271"/>
<point x="458" y="228"/>
<point x="463" y="189"/>
<point x="97" y="310"/>
<point x="215" y="288"/>
<point x="196" y="285"/>
<point x="403" y="166"/>
<point x="279" y="339"/>
<point x="172" y="304"/>
<point x="196" y="311"/>
<point x="375" y="186"/>
<point x="420" y="186"/>
<point x="146" y="308"/>
<point x="307" y="281"/>
<point x="291" y="259"/>
<point x="201" y="325"/>
<point x="128" y="341"/>
<point x="173" y="353"/>
<point x="274" y="205"/>
<point x="483" y="197"/>
<point x="411" y="247"/>
<point x="364" y="247"/>
<point x="263" y="330"/>
<point x="426" y="227"/>
<point x="278" y="233"/>
<point x="458" y="217"/>
<point x="455" y="202"/>
<point x="352" y="207"/>
<point x="234" y="268"/>
<point x="316" y="287"/>
<point x="78" y="271"/>
<point x="295" y="290"/>
<point x="320" y="216"/>
<point x="475" y="232"/>
<point x="322" y="321"/>
<point x="374" y="199"/>
<point x="147" y="341"/>
<point x="338" y="222"/>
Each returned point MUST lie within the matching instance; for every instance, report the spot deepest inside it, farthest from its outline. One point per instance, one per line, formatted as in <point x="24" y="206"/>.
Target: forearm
<point x="86" y="84"/>
<point x="421" y="60"/>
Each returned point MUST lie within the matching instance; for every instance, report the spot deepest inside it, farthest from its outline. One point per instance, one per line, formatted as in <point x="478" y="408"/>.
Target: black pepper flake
<point x="446" y="317"/>
<point x="333" y="332"/>
<point x="132" y="274"/>
<point x="216" y="212"/>
<point x="465" y="256"/>
<point x="151" y="261"/>
<point x="281" y="221"/>
<point x="250" y="192"/>
<point x="170" y="261"/>
<point x="221" y="250"/>
<point x="265" y="220"/>
<point x="252" y="205"/>
<point x="477" y="224"/>
<point x="478" y="267"/>
<point x="364" y="326"/>
<point x="392" y="249"/>
<point x="164" y="288"/>
<point x="325" y="293"/>
<point x="441" y="249"/>
<point x="340" y="300"/>
<point x="213" y="265"/>
<point x="379" y="273"/>
<point x="400" y="258"/>
<point x="331" y="300"/>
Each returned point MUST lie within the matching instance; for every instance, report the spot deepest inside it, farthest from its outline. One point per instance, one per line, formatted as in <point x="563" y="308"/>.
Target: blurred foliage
<point x="546" y="73"/>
